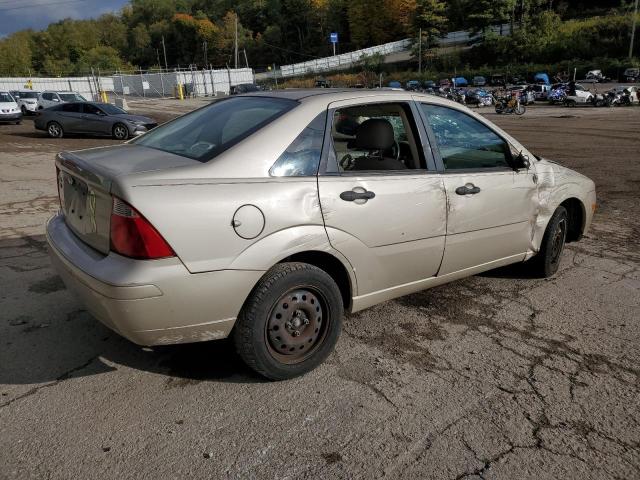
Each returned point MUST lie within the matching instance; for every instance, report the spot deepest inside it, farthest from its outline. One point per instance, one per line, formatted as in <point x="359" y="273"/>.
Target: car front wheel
<point x="547" y="260"/>
<point x="291" y="321"/>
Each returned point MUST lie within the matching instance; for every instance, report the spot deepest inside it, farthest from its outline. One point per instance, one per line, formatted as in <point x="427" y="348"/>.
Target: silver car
<point x="266" y="216"/>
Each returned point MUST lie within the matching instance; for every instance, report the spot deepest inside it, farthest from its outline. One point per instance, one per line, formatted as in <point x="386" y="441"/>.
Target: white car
<point x="581" y="96"/>
<point x="9" y="111"/>
<point x="49" y="99"/>
<point x="27" y="100"/>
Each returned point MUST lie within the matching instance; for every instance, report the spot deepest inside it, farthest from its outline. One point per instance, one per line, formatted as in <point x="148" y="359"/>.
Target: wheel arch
<point x="577" y="215"/>
<point x="332" y="265"/>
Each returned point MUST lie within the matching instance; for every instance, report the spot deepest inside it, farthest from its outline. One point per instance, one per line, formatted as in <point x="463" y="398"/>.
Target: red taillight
<point x="133" y="236"/>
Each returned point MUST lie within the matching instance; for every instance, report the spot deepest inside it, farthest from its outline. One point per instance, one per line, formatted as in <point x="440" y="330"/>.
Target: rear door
<point x="384" y="206"/>
<point x="491" y="207"/>
<point x="70" y="116"/>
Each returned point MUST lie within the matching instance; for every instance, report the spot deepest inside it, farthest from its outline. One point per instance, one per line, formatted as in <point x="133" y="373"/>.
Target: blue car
<point x="460" y="82"/>
<point x="413" y="85"/>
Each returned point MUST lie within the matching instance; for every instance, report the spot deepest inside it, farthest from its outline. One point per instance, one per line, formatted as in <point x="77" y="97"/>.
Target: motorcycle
<point x="557" y="95"/>
<point x="600" y="100"/>
<point x="508" y="105"/>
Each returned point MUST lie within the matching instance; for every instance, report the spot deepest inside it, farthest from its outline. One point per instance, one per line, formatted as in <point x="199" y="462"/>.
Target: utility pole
<point x="420" y="53"/>
<point x="164" y="50"/>
<point x="236" y="42"/>
<point x="204" y="49"/>
<point x="246" y="62"/>
<point x="633" y="30"/>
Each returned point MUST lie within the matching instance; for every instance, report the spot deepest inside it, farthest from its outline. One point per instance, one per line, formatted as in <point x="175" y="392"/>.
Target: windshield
<point x="72" y="97"/>
<point x="111" y="109"/>
<point x="209" y="131"/>
<point x="5" y="97"/>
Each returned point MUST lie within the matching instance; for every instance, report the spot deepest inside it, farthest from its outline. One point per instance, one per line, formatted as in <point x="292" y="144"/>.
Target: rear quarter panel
<point x="196" y="220"/>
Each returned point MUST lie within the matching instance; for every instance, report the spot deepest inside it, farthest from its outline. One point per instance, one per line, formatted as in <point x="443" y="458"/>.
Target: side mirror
<point x="521" y="161"/>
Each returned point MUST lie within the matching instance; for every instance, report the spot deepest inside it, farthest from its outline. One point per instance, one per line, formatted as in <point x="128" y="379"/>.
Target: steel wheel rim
<point x="54" y="130"/>
<point x="557" y="243"/>
<point x="297" y="325"/>
<point x="120" y="132"/>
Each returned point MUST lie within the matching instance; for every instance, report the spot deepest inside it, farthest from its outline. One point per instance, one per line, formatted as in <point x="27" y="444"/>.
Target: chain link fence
<point x="152" y="84"/>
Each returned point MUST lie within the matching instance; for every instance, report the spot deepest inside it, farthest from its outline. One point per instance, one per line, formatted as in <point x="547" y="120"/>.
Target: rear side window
<point x="47" y="96"/>
<point x="207" y="132"/>
<point x="302" y="157"/>
<point x="72" y="107"/>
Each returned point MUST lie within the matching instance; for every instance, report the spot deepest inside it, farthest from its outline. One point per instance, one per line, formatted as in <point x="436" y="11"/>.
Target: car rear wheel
<point x="546" y="262"/>
<point x="120" y="131"/>
<point x="291" y="321"/>
<point x="54" y="129"/>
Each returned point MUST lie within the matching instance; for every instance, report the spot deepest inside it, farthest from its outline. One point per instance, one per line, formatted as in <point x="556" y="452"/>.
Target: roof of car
<point x="331" y="94"/>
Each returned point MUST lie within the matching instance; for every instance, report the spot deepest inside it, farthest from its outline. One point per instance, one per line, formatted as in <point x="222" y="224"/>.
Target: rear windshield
<point x="207" y="132"/>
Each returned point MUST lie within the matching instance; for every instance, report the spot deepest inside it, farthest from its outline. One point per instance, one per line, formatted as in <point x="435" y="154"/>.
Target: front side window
<point x="302" y="157"/>
<point x="47" y="96"/>
<point x="91" y="109"/>
<point x="207" y="132"/>
<point x="374" y="137"/>
<point x="5" y="97"/>
<point x="463" y="141"/>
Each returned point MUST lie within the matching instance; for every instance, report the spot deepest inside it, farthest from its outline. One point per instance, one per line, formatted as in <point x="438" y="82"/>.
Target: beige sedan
<point x="266" y="216"/>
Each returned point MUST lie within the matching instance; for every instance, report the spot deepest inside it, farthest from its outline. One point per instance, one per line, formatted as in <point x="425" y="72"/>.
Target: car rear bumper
<point x="150" y="302"/>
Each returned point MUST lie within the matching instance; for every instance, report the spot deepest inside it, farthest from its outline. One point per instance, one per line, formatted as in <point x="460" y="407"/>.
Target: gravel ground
<point x="496" y="376"/>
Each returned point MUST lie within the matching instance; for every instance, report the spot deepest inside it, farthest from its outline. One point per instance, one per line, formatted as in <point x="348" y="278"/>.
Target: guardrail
<point x="351" y="59"/>
<point x="344" y="60"/>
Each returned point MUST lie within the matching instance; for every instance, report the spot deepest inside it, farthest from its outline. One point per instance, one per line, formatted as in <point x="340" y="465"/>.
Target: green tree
<point x="15" y="54"/>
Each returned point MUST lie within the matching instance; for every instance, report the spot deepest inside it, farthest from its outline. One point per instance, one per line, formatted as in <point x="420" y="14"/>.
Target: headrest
<point x="375" y="134"/>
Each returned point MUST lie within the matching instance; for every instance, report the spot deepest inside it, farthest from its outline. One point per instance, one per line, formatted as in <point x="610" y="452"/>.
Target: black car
<point x="244" y="88"/>
<point x="92" y="118"/>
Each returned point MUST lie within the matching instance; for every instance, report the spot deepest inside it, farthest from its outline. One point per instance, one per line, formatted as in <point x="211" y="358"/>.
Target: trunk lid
<point x="85" y="181"/>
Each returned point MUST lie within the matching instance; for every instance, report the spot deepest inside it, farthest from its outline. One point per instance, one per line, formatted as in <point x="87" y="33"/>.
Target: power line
<point x="38" y="5"/>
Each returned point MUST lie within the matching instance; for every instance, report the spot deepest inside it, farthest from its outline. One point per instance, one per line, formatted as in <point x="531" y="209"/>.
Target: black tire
<point x="546" y="262"/>
<point x="55" y="130"/>
<point x="570" y="103"/>
<point x="120" y="131"/>
<point x="23" y="109"/>
<point x="265" y="332"/>
<point x="18" y="122"/>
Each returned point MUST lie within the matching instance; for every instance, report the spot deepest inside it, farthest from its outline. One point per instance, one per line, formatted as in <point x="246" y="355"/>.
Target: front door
<point x="491" y="206"/>
<point x="94" y="120"/>
<point x="383" y="208"/>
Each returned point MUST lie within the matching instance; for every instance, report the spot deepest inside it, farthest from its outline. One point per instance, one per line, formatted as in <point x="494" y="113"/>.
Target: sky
<point x="37" y="14"/>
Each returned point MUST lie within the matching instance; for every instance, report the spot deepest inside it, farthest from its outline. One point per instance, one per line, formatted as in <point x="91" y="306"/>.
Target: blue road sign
<point x="333" y="37"/>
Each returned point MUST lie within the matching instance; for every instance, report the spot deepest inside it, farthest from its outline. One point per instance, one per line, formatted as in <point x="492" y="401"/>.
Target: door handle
<point x="468" y="189"/>
<point x="350" y="195"/>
